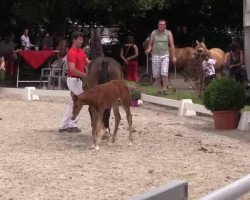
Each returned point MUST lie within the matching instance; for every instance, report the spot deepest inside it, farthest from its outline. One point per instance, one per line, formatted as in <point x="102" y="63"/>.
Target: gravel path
<point x="37" y="162"/>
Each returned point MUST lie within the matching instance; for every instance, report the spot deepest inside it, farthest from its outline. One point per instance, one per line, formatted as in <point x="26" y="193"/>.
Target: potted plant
<point x="135" y="95"/>
<point x="225" y="98"/>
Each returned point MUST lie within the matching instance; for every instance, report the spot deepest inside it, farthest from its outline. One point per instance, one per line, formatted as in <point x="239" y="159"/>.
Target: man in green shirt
<point x="161" y="44"/>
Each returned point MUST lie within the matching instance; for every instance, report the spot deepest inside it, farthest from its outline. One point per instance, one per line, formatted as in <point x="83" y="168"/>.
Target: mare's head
<point x="95" y="44"/>
<point x="201" y="50"/>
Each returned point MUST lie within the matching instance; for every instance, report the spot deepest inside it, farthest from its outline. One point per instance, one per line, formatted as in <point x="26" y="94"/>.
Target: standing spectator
<point x="25" y="40"/>
<point x="146" y="43"/>
<point x="178" y="37"/>
<point x="2" y="63"/>
<point x="7" y="47"/>
<point x="129" y="54"/>
<point x="160" y="40"/>
<point x="185" y="38"/>
<point x="76" y="62"/>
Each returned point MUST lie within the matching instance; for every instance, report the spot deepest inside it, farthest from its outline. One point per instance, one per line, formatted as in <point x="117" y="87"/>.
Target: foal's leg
<point x="129" y="119"/>
<point x="98" y="128"/>
<point x="77" y="106"/>
<point x="117" y="120"/>
<point x="93" y="116"/>
<point x="106" y="117"/>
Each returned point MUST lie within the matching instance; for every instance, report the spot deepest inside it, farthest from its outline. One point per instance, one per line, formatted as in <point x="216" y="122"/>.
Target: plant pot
<point x="226" y="120"/>
<point x="134" y="103"/>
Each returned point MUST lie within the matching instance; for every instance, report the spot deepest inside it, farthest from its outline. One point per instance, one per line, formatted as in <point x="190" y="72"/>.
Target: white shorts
<point x="75" y="85"/>
<point x="160" y="65"/>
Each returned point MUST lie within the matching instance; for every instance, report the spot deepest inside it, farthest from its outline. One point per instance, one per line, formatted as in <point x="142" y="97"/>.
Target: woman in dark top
<point x="129" y="54"/>
<point x="234" y="59"/>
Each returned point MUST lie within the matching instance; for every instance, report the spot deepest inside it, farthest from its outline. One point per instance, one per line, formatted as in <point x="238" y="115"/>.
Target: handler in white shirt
<point x="25" y="40"/>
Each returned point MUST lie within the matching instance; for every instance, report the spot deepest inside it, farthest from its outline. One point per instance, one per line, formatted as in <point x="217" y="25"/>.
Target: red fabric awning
<point x="35" y="58"/>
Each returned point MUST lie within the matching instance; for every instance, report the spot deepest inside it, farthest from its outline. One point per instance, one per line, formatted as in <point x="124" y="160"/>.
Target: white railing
<point x="160" y="101"/>
<point x="186" y="106"/>
<point x="232" y="191"/>
<point x="176" y="190"/>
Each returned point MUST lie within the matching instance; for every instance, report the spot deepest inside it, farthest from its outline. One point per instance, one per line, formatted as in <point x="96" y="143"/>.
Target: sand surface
<point x="37" y="162"/>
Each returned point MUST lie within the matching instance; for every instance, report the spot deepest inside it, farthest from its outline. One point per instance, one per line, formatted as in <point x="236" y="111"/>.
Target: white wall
<point x="246" y="19"/>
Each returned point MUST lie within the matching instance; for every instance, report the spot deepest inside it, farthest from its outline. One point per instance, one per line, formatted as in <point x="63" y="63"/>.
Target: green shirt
<point x="160" y="43"/>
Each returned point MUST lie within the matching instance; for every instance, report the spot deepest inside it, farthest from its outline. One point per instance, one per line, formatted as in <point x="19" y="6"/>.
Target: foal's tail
<point x="104" y="75"/>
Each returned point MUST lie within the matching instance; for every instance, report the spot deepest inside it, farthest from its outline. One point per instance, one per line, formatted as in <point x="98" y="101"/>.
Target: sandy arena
<point x="37" y="162"/>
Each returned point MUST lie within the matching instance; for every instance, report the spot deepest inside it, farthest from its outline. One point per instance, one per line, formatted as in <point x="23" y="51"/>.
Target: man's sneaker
<point x="74" y="130"/>
<point x="62" y="130"/>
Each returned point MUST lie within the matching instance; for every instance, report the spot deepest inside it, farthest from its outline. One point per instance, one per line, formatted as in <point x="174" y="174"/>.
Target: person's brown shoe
<point x="165" y="92"/>
<point x="158" y="93"/>
<point x="74" y="130"/>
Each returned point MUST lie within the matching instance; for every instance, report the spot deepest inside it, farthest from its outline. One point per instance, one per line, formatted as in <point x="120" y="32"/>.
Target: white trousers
<point x="160" y="65"/>
<point x="75" y="86"/>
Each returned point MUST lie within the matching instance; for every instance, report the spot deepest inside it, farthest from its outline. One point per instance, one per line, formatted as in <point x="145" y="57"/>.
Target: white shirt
<point x="208" y="67"/>
<point x="25" y="40"/>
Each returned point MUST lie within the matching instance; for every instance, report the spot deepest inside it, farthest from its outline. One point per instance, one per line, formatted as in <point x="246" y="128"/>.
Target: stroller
<point x="146" y="78"/>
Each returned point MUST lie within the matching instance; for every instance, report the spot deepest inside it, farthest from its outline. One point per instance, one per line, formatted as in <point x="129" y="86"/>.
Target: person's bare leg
<point x="158" y="84"/>
<point x="165" y="83"/>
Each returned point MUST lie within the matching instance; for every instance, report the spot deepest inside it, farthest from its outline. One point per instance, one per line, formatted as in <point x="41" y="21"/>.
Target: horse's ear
<point x="197" y="42"/>
<point x="203" y="44"/>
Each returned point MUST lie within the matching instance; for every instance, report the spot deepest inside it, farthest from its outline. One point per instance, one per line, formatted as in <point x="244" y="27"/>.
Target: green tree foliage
<point x="217" y="16"/>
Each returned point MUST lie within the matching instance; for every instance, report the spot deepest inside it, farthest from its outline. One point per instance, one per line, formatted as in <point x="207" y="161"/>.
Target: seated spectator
<point x="25" y="41"/>
<point x="61" y="46"/>
<point x="47" y="42"/>
<point x="234" y="61"/>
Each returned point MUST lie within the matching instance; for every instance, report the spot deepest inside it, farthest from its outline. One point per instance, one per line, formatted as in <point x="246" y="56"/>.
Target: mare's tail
<point x="104" y="75"/>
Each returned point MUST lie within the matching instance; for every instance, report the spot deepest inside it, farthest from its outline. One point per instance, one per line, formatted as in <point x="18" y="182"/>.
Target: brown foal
<point x="101" y="97"/>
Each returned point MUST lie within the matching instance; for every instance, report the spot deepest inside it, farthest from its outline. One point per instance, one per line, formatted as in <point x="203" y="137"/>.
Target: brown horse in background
<point x="183" y="55"/>
<point x="101" y="70"/>
<point x="215" y="53"/>
<point x="102" y="97"/>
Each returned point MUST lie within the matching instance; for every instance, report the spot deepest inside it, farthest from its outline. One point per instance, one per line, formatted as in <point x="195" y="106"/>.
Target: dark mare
<point x="101" y="70"/>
